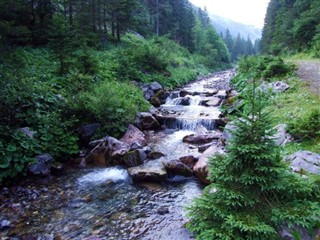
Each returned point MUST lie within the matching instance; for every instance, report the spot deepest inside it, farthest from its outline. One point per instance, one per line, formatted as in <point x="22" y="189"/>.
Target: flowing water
<point x="105" y="203"/>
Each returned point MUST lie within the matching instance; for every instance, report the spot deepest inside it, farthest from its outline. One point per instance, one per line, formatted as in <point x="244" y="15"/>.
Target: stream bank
<point x="104" y="203"/>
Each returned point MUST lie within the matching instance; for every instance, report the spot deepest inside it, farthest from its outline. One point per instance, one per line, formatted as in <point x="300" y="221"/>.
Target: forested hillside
<point x="292" y="26"/>
<point x="66" y="63"/>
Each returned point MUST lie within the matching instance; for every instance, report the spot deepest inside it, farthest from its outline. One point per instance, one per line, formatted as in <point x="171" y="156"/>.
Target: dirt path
<point x="309" y="71"/>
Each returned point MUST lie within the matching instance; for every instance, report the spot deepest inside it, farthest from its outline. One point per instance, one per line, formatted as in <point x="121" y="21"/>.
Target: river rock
<point x="176" y="167"/>
<point x="202" y="138"/>
<point x="146" y="121"/>
<point x="189" y="160"/>
<point x="86" y="132"/>
<point x="159" y="98"/>
<point x="150" y="89"/>
<point x="211" y="102"/>
<point x="282" y="137"/>
<point x="304" y="161"/>
<point x="200" y="169"/>
<point x="134" y="135"/>
<point x="42" y="165"/>
<point x="148" y="172"/>
<point x="57" y="169"/>
<point x="204" y="147"/>
<point x="155" y="155"/>
<point x="109" y="152"/>
<point x="135" y="158"/>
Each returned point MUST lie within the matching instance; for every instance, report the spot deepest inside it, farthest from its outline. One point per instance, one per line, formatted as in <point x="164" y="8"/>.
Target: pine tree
<point x="253" y="194"/>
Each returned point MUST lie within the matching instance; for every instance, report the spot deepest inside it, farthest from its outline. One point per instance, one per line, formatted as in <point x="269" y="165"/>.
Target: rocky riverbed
<point x="124" y="202"/>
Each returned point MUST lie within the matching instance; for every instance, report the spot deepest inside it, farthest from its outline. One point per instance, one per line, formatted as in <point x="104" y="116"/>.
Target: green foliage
<point x="253" y="193"/>
<point x="290" y="26"/>
<point x="260" y="67"/>
<point x="114" y="104"/>
<point x="308" y="126"/>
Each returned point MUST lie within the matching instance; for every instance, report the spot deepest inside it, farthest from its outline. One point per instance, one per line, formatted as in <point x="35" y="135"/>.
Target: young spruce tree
<point x="253" y="193"/>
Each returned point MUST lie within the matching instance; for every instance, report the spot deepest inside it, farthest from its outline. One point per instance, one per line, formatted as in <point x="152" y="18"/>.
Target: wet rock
<point x="184" y="93"/>
<point x="57" y="169"/>
<point x="221" y="122"/>
<point x="200" y="169"/>
<point x="201" y="139"/>
<point x="146" y="121"/>
<point x="176" y="167"/>
<point x="135" y="158"/>
<point x="163" y="210"/>
<point x="184" y="101"/>
<point x="204" y="147"/>
<point x="282" y="137"/>
<point x="304" y="161"/>
<point x="189" y="160"/>
<point x="134" y="135"/>
<point x="155" y="155"/>
<point x="86" y="132"/>
<point x="27" y="131"/>
<point x="109" y="152"/>
<point x="149" y="90"/>
<point x="211" y="102"/>
<point x="42" y="165"/>
<point x="5" y="224"/>
<point x="159" y="98"/>
<point x="148" y="172"/>
<point x="232" y="93"/>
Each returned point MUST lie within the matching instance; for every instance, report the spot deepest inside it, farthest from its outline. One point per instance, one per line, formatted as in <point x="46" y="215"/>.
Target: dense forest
<point x="66" y="63"/>
<point x="239" y="47"/>
<point x="291" y="26"/>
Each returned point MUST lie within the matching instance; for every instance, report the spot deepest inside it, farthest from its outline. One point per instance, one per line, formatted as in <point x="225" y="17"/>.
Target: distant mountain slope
<point x="221" y="24"/>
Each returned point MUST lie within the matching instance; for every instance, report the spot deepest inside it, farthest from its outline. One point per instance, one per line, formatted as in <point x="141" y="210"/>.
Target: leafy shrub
<point x="114" y="104"/>
<point x="308" y="126"/>
<point x="260" y="68"/>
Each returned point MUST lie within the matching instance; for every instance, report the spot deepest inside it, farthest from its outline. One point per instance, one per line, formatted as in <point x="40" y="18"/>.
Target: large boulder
<point x="304" y="161"/>
<point x="148" y="172"/>
<point x="202" y="138"/>
<point x="150" y="89"/>
<point x="211" y="102"/>
<point x="42" y="165"/>
<point x="146" y="121"/>
<point x="200" y="169"/>
<point x="86" y="132"/>
<point x="135" y="158"/>
<point x="281" y="137"/>
<point x="133" y="136"/>
<point x="159" y="98"/>
<point x="176" y="167"/>
<point x="274" y="87"/>
<point x="189" y="160"/>
<point x="109" y="152"/>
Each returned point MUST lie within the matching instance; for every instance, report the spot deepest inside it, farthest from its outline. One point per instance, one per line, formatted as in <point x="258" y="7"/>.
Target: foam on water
<point x="100" y="176"/>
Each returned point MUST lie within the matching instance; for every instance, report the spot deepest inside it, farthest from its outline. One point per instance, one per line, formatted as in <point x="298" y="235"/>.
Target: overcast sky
<point x="249" y="12"/>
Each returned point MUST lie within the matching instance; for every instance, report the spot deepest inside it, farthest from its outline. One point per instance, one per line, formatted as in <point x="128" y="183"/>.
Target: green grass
<point x="292" y="105"/>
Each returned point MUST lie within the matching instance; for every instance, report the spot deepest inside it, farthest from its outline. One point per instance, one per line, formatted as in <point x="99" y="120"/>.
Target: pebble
<point x="5" y="224"/>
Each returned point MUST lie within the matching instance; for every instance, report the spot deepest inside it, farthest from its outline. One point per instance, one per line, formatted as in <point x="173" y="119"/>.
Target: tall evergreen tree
<point x="253" y="193"/>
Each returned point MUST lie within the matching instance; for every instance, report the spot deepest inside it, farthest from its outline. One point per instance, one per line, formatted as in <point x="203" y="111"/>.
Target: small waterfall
<point x="188" y="100"/>
<point x="189" y="124"/>
<point x="100" y="176"/>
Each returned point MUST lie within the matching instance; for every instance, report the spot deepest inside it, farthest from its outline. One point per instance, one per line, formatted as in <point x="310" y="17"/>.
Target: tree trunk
<point x="157" y="18"/>
<point x="93" y="16"/>
<point x="70" y="14"/>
